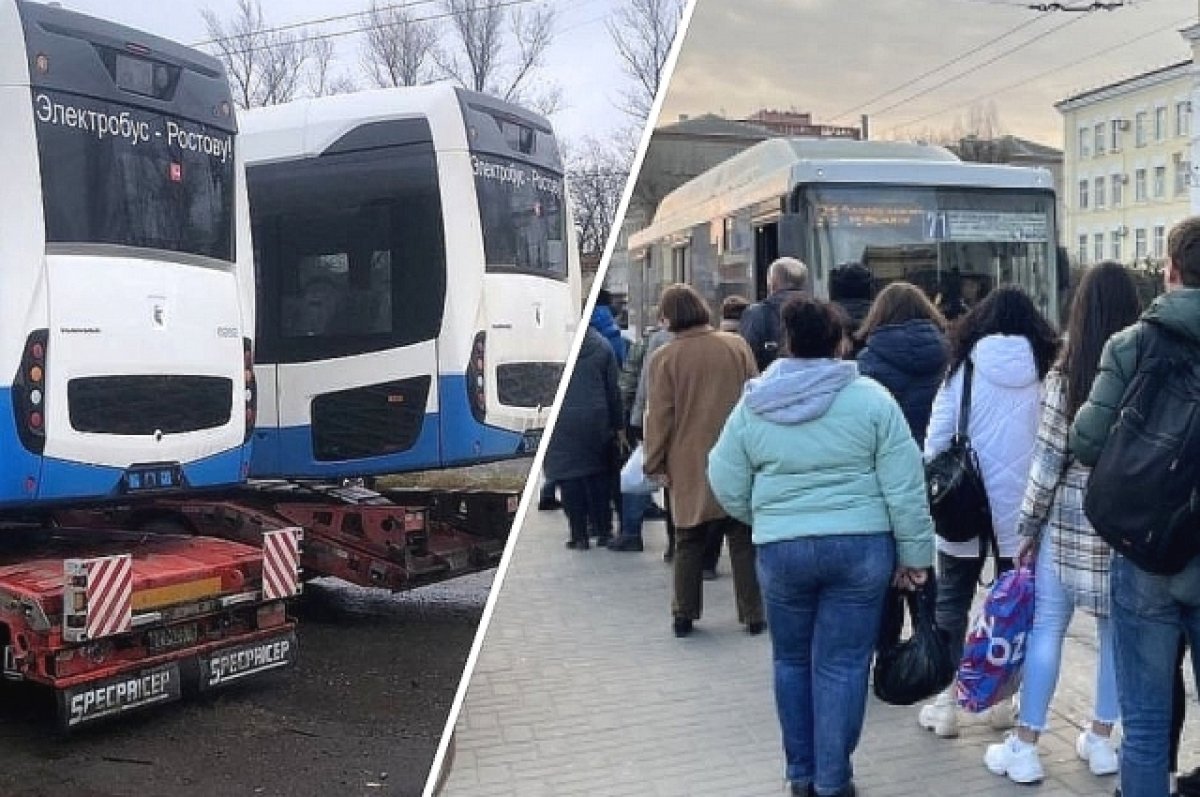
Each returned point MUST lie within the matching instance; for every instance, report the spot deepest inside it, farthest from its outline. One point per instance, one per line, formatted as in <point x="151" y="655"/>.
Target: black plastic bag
<point x="911" y="670"/>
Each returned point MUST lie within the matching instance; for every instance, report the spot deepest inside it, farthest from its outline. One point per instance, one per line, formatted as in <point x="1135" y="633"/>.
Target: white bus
<point x="906" y="211"/>
<point x="418" y="281"/>
<point x="126" y="296"/>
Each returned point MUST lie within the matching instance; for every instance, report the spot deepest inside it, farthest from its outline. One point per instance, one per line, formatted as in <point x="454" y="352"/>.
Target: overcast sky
<point x="832" y="56"/>
<point x="582" y="59"/>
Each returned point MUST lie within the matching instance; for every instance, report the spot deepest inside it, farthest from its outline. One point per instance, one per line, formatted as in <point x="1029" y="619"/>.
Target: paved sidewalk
<point x="582" y="689"/>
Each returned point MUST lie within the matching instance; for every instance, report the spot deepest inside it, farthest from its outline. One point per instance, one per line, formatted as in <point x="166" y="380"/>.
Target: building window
<point x="1099" y="135"/>
<point x="1139" y="129"/>
<point x="1098" y="244"/>
<point x="1160" y="123"/>
<point x="1160" y="241"/>
<point x="1182" y="171"/>
<point x="1115" y="239"/>
<point x="1083" y="194"/>
<point x="1099" y="192"/>
<point x="1139" y="185"/>
<point x="1083" y="250"/>
<point x="1183" y="118"/>
<point x="1085" y="143"/>
<point x="1139" y="243"/>
<point x="1118" y="190"/>
<point x="1160" y="182"/>
<point x="1115" y="139"/>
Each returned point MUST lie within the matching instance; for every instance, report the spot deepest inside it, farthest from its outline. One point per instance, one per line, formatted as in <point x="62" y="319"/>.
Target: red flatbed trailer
<point x="114" y="621"/>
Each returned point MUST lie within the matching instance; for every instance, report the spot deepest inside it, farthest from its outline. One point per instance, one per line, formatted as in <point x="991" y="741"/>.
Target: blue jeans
<point x="1149" y="614"/>
<point x="1043" y="652"/>
<point x="633" y="507"/>
<point x="824" y="600"/>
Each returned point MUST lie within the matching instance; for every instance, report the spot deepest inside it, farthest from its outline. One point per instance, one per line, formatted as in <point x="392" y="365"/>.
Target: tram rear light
<point x="29" y="392"/>
<point x="476" y="378"/>
<point x="251" y="394"/>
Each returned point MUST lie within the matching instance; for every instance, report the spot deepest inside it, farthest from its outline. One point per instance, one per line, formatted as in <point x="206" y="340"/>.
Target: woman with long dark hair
<point x="1071" y="560"/>
<point x="1009" y="348"/>
<point x="905" y="351"/>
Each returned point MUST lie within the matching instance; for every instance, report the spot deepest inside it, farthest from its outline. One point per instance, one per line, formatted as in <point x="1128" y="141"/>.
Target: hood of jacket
<point x="1005" y="360"/>
<point x="594" y="345"/>
<point x="1178" y="311"/>
<point x="604" y="321"/>
<point x="915" y="347"/>
<point x="794" y="391"/>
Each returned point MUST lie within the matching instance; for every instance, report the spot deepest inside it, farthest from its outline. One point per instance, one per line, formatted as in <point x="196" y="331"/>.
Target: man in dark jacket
<point x="761" y="324"/>
<point x="1149" y="612"/>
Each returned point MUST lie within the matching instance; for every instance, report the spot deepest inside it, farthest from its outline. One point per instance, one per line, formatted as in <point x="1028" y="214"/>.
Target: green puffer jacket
<point x="1179" y="311"/>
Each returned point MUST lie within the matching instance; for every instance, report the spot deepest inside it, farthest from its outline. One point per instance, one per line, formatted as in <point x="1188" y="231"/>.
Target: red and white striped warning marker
<point x="281" y="563"/>
<point x="109" y="596"/>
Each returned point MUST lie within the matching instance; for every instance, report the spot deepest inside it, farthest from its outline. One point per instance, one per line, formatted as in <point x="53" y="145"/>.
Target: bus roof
<point x="306" y="128"/>
<point x="773" y="168"/>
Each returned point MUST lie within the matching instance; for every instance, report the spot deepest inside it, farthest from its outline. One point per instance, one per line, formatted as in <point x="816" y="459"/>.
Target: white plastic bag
<point x="633" y="476"/>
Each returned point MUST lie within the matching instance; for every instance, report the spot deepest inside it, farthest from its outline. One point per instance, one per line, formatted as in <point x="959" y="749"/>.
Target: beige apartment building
<point x="1127" y="166"/>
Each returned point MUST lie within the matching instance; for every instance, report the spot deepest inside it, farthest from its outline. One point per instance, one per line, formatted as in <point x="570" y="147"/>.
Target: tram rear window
<point x="523" y="218"/>
<point x="118" y="174"/>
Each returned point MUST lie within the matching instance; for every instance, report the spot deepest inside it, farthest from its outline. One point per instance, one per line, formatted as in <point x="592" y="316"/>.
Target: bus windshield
<point x="957" y="244"/>
<point x="523" y="217"/>
<point x="119" y="174"/>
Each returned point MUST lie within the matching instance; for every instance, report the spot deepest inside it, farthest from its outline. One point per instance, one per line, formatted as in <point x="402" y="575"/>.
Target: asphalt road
<point x="361" y="714"/>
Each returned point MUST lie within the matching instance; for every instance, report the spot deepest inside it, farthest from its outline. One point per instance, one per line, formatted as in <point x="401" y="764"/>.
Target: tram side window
<point x="352" y="253"/>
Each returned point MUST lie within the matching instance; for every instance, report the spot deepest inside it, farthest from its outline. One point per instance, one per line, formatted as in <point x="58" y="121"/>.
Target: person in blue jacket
<point x="905" y="351"/>
<point x="820" y="462"/>
<point x="605" y="323"/>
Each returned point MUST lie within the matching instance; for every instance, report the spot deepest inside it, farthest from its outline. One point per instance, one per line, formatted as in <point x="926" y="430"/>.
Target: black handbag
<point x="958" y="499"/>
<point x="914" y="669"/>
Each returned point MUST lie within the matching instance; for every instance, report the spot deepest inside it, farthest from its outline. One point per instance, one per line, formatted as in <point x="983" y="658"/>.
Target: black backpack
<point x="1142" y="494"/>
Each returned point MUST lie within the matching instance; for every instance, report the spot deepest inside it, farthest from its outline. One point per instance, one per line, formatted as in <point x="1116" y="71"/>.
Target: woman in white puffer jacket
<point x="1011" y="347"/>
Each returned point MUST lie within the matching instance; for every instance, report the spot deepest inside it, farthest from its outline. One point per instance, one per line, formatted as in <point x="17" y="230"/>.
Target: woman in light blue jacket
<point x="821" y="463"/>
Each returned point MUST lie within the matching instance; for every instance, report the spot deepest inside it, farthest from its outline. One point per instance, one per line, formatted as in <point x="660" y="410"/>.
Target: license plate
<point x="179" y="636"/>
<point x="229" y="665"/>
<point x="99" y="699"/>
<point x="145" y="478"/>
<point x="530" y="442"/>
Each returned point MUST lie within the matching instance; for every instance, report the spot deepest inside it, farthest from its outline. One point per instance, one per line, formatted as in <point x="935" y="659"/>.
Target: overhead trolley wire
<point x="956" y="59"/>
<point x="1025" y="80"/>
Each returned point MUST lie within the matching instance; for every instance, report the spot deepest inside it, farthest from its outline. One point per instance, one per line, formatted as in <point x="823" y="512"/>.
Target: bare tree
<point x="265" y="67"/>
<point x="399" y="47"/>
<point x="596" y="175"/>
<point x="320" y="79"/>
<point x="642" y="31"/>
<point x="484" y="33"/>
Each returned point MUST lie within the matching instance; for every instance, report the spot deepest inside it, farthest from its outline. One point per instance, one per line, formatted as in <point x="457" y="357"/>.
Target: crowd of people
<point x="796" y="431"/>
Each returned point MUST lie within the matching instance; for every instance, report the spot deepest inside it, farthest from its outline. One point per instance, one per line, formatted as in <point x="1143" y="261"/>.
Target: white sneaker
<point x="941" y="716"/>
<point x="1099" y="752"/>
<point x="1016" y="759"/>
<point x="1003" y="715"/>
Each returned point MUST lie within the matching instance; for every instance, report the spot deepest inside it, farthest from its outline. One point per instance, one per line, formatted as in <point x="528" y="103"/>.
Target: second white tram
<point x="418" y="281"/>
<point x="906" y="211"/>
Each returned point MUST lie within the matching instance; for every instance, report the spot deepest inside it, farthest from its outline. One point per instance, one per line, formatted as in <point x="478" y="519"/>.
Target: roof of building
<point x="710" y="124"/>
<point x="1084" y="95"/>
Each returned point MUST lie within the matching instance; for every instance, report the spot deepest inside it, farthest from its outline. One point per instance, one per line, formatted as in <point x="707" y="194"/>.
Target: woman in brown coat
<point x="694" y="382"/>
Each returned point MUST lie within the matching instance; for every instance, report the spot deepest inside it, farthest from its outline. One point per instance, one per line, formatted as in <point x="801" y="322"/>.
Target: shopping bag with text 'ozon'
<point x="990" y="670"/>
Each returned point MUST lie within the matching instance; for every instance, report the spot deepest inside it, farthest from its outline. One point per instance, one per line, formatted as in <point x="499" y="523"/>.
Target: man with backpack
<point x="1140" y="431"/>
<point x="761" y="324"/>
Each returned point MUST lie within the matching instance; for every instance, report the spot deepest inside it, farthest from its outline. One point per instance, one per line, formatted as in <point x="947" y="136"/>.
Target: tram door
<point x="766" y="250"/>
